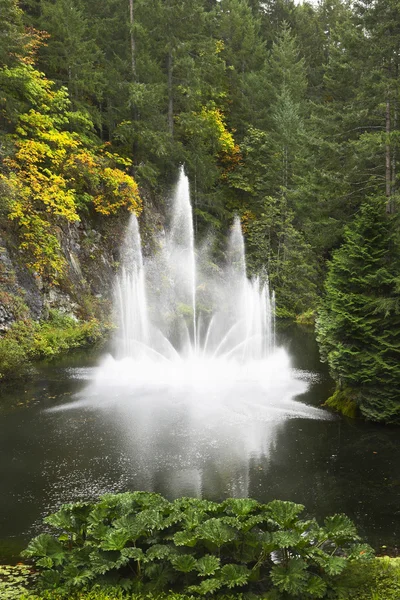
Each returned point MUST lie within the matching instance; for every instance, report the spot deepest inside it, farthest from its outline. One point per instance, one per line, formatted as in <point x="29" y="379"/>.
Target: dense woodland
<point x="283" y="113"/>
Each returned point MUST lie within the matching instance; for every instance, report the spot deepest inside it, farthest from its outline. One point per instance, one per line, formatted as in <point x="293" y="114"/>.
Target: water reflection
<point x="194" y="417"/>
<point x="231" y="444"/>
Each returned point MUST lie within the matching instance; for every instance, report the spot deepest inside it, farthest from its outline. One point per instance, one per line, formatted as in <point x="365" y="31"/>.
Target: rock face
<point x="91" y="251"/>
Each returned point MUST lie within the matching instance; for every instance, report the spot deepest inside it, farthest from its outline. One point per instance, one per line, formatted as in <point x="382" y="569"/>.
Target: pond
<point x="62" y="440"/>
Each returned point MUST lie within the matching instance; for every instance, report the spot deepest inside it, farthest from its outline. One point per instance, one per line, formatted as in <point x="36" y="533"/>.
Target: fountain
<point x="181" y="307"/>
<point x="196" y="387"/>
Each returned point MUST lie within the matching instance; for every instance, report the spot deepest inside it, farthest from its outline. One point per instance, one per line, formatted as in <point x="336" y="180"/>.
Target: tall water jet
<point x="130" y="294"/>
<point x="181" y="247"/>
<point x="236" y="317"/>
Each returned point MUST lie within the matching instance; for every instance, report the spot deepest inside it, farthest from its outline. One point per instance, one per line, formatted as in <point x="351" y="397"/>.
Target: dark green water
<point x="49" y="457"/>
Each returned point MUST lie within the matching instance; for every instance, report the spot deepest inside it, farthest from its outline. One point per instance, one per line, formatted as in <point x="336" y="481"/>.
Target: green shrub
<point x="380" y="581"/>
<point x="13" y="358"/>
<point x="27" y="340"/>
<point x="144" y="543"/>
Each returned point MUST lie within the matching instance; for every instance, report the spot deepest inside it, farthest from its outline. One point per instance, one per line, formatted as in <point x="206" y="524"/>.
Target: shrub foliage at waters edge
<point x="143" y="543"/>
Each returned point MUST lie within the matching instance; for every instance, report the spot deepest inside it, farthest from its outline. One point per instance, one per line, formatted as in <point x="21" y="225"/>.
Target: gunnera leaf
<point x="193" y="517"/>
<point x="215" y="531"/>
<point x="291" y="578"/>
<point x="288" y="539"/>
<point x="159" y="551"/>
<point x="284" y="513"/>
<point x="334" y="565"/>
<point x="208" y="586"/>
<point x="316" y="587"/>
<point x="340" y="529"/>
<point x="184" y="563"/>
<point x="184" y="538"/>
<point x="115" y="539"/>
<point x="361" y="552"/>
<point x="44" y="545"/>
<point x="233" y="575"/>
<point x="207" y="565"/>
<point x="240" y="507"/>
<point x="160" y="575"/>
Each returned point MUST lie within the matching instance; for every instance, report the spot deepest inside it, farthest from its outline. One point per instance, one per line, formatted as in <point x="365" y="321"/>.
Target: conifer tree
<point x="359" y="321"/>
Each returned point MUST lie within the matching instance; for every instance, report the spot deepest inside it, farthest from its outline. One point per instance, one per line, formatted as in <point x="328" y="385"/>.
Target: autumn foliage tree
<point x="53" y="173"/>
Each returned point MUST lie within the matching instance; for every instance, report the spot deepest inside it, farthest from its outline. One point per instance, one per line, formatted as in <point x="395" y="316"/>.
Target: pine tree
<point x="359" y="321"/>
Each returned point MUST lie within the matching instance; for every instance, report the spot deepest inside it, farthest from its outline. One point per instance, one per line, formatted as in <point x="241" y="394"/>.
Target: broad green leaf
<point x="215" y="531"/>
<point x="103" y="561"/>
<point x="361" y="552"/>
<point x="232" y="575"/>
<point x="283" y="513"/>
<point x="159" y="575"/>
<point x="196" y="504"/>
<point x="115" y="539"/>
<point x="45" y="562"/>
<point x="160" y="551"/>
<point x="208" y="586"/>
<point x="288" y="539"/>
<point x="193" y="517"/>
<point x="207" y="565"/>
<point x="184" y="563"/>
<point x="44" y="545"/>
<point x="316" y="587"/>
<point x="334" y="565"/>
<point x="240" y="507"/>
<point x="135" y="553"/>
<point x="185" y="538"/>
<point x="291" y="578"/>
<point x="340" y="529"/>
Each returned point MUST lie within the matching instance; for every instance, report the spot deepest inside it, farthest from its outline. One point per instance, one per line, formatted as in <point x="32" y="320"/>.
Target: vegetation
<point x="28" y="340"/>
<point x="143" y="543"/>
<point x="358" y="325"/>
<point x="376" y="579"/>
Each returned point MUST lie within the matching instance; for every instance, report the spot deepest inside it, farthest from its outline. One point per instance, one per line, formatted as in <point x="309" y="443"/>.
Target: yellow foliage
<point x="214" y="119"/>
<point x="120" y="190"/>
<point x="219" y="46"/>
<point x="247" y="219"/>
<point x="50" y="171"/>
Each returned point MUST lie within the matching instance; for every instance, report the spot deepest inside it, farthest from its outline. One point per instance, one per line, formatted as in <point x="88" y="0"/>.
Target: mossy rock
<point x="343" y="401"/>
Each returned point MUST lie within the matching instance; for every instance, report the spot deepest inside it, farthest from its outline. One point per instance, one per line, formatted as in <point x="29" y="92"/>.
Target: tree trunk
<point x="388" y="178"/>
<point x="170" y="96"/>
<point x="395" y="123"/>
<point x="132" y="36"/>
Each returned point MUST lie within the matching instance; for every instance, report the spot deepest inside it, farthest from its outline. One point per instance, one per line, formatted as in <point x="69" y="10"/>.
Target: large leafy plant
<point x="144" y="543"/>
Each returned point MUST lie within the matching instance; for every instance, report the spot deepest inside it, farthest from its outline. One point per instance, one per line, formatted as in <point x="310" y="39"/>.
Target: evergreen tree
<point x="71" y="55"/>
<point x="359" y="321"/>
